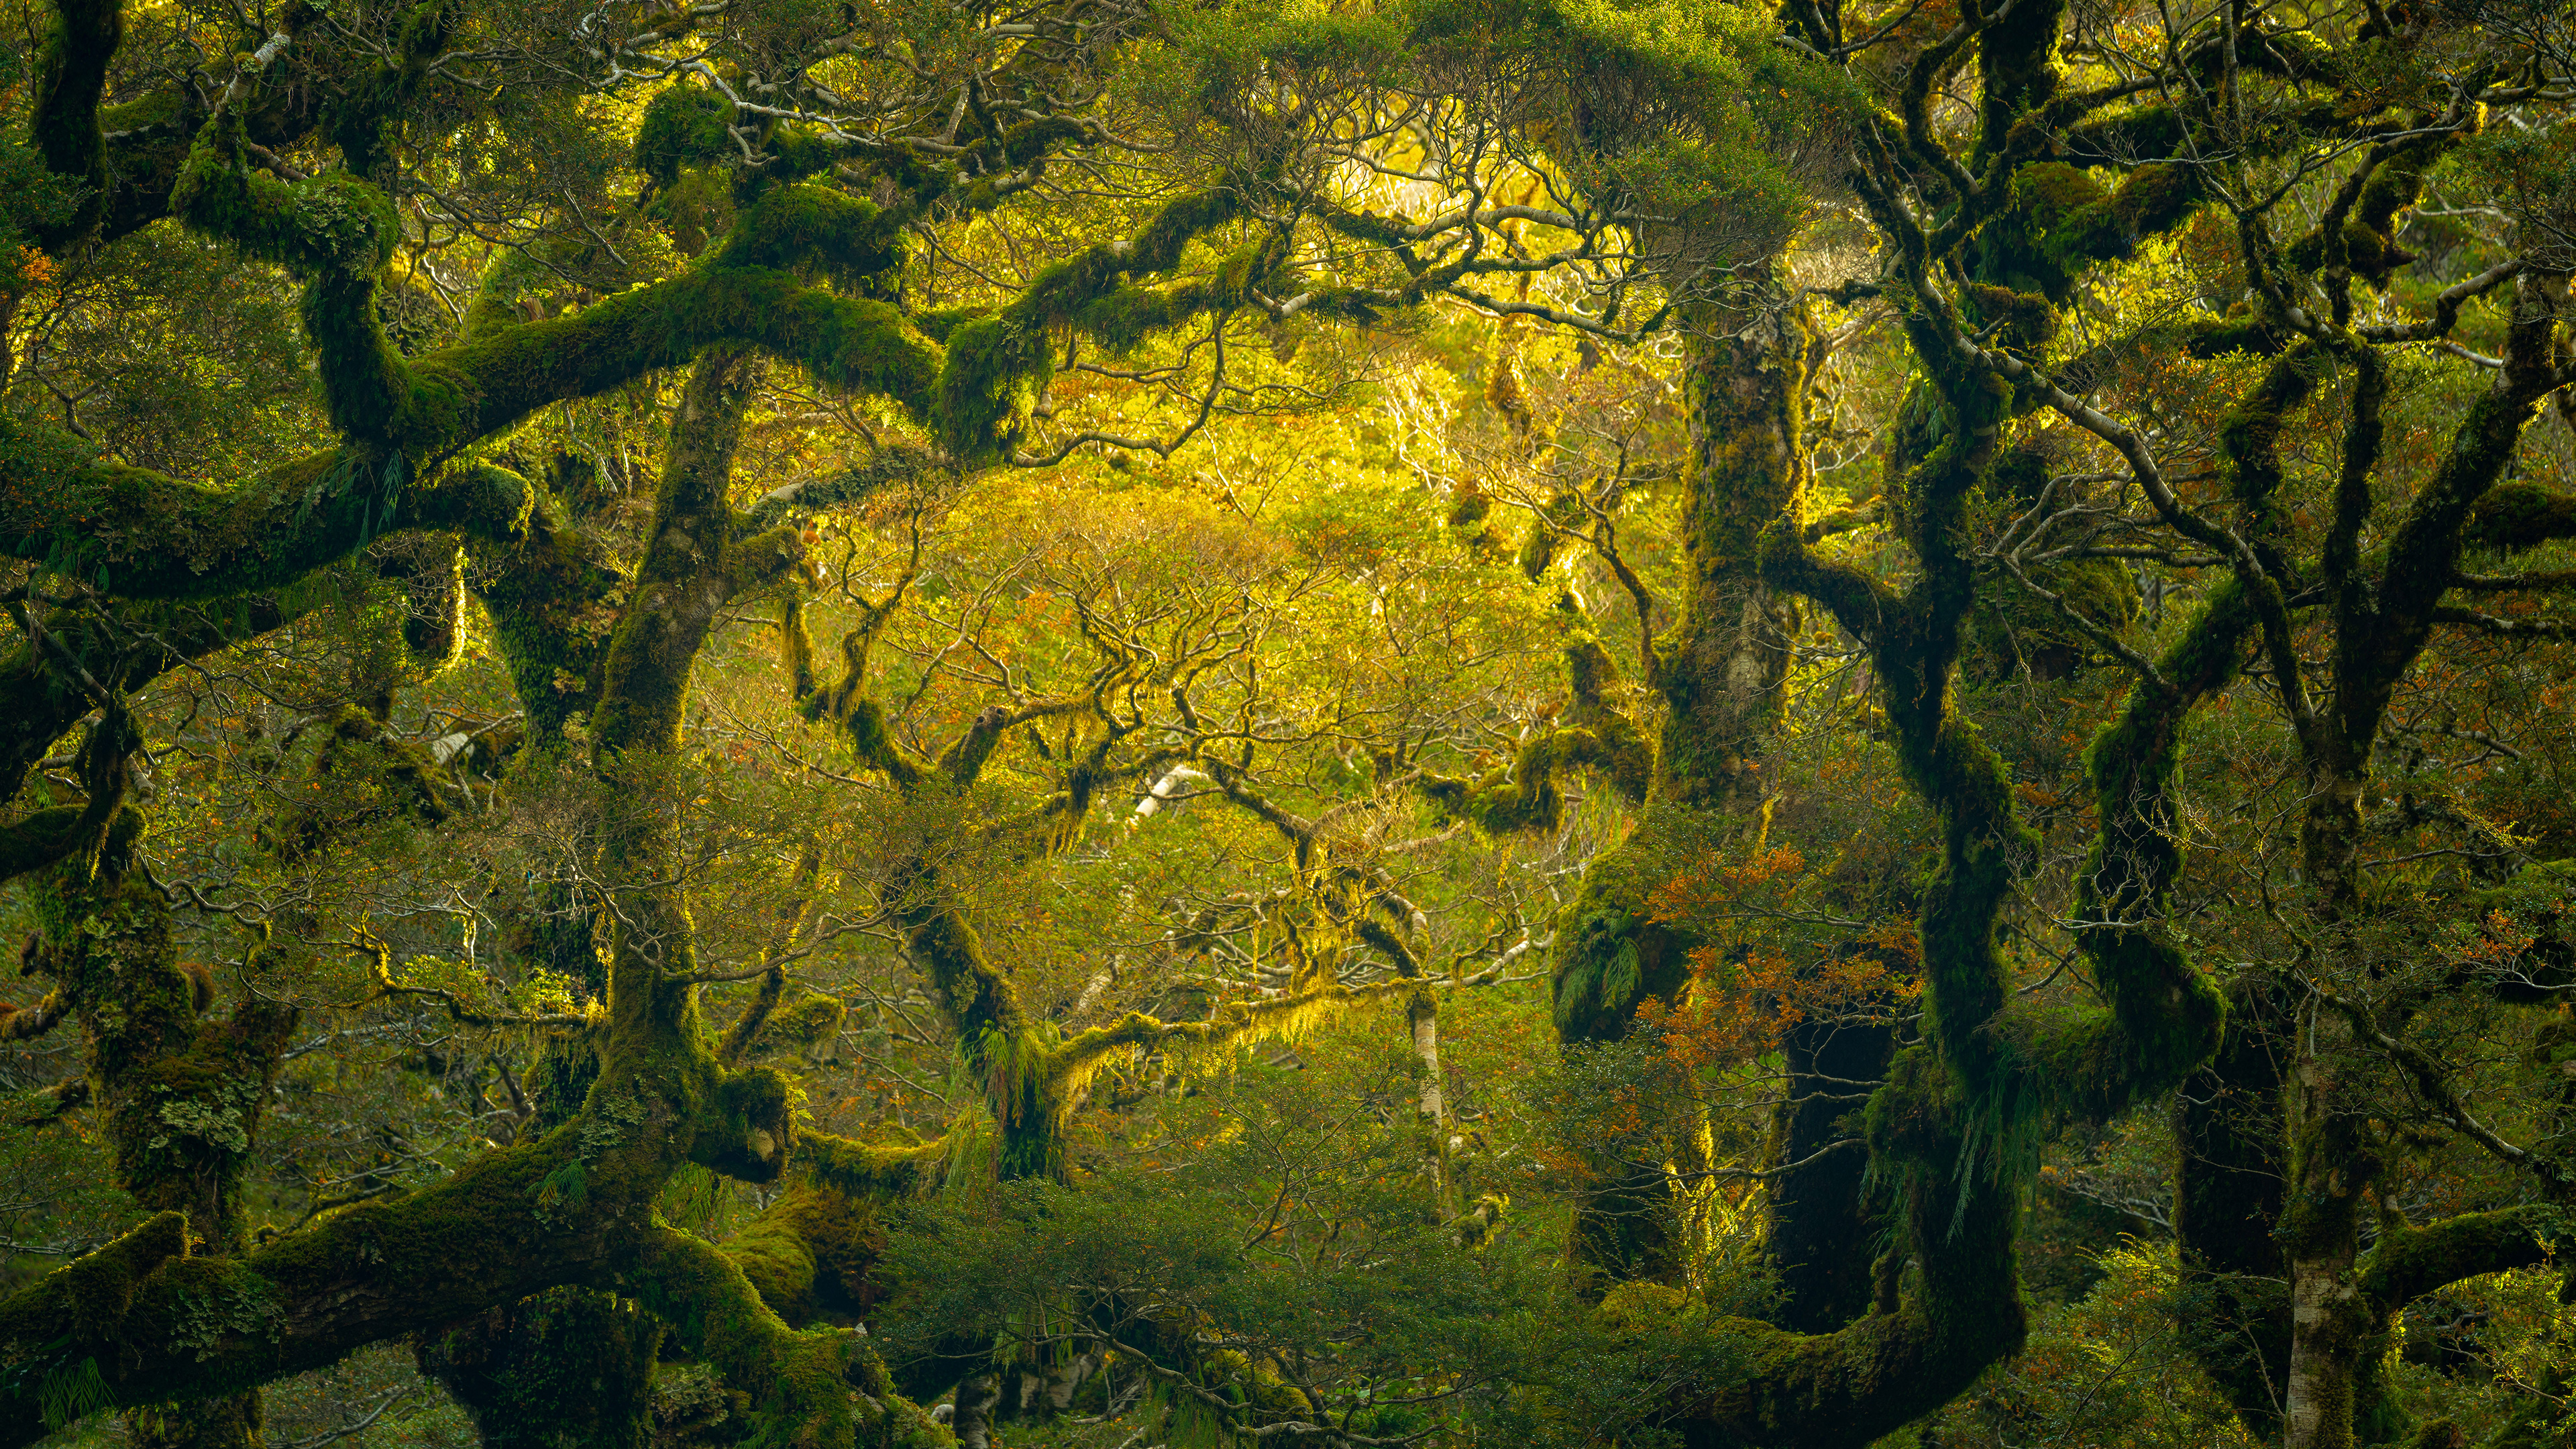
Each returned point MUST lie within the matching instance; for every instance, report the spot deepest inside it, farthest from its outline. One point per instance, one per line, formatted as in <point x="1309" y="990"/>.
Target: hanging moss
<point x="994" y="368"/>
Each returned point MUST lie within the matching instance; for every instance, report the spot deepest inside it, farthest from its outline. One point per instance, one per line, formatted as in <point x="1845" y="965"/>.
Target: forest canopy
<point x="1117" y="723"/>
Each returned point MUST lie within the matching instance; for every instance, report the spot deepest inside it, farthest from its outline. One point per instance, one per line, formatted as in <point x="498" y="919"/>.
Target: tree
<point x="907" y="303"/>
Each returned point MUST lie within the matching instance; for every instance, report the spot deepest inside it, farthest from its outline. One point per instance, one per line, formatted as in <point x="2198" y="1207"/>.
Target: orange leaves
<point x="29" y="270"/>
<point x="2496" y="946"/>
<point x="1898" y="941"/>
<point x="1759" y="972"/>
<point x="1720" y="887"/>
<point x="1742" y="1004"/>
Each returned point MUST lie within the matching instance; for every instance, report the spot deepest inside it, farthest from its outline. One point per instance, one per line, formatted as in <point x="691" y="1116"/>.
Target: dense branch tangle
<point x="791" y="280"/>
<point x="2376" y="608"/>
<point x="1318" y="172"/>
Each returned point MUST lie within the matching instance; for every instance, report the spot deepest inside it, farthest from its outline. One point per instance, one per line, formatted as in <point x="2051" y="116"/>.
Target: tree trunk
<point x="182" y="1095"/>
<point x="2330" y="1166"/>
<point x="2228" y="1195"/>
<point x="569" y="1368"/>
<point x="1822" y="1233"/>
<point x="1719" y="671"/>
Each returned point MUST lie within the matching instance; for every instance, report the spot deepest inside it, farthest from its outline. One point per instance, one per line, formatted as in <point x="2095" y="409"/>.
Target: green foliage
<point x="1267" y="1205"/>
<point x="2113" y="1368"/>
<point x="1227" y="738"/>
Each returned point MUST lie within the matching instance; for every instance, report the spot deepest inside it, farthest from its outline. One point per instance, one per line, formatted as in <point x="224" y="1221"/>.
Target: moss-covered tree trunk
<point x="1745" y="377"/>
<point x="1821" y="1232"/>
<point x="1719" y="671"/>
<point x="570" y="1368"/>
<point x="2229" y="1188"/>
<point x="182" y="1092"/>
<point x="2384" y="611"/>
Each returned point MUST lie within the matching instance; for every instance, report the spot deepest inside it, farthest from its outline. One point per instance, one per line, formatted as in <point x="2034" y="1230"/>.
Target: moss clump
<point x="812" y="1253"/>
<point x="1610" y="956"/>
<point x="1524" y="797"/>
<point x="750" y="1132"/>
<point x="2026" y="320"/>
<point x="993" y="371"/>
<point x="361" y="774"/>
<point x="804" y="1019"/>
<point x="683" y="126"/>
<point x="2158" y="197"/>
<point x="92" y="1294"/>
<point x="2520" y="515"/>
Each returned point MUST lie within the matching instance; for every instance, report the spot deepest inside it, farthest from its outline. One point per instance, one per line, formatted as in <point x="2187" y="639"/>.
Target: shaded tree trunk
<point x="1823" y="1235"/>
<point x="1719" y="671"/>
<point x="2229" y="1189"/>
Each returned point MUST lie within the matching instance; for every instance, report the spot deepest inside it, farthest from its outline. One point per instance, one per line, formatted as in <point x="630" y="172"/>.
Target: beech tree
<point x="2155" y="743"/>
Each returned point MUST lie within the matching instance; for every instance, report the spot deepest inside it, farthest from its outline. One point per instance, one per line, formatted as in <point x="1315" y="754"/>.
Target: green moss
<point x="993" y="370"/>
<point x="360" y="775"/>
<point x="71" y="78"/>
<point x="806" y="1018"/>
<point x="749" y="1132"/>
<point x="2367" y="242"/>
<point x="1610" y="956"/>
<point x="334" y="232"/>
<point x="1523" y="797"/>
<point x="889" y="1165"/>
<point x="996" y="365"/>
<point x="2520" y="515"/>
<point x="2015" y="634"/>
<point x="93" y="1293"/>
<point x="2027" y="320"/>
<point x="566" y="1367"/>
<point x="809" y="227"/>
<point x="1538" y="550"/>
<point x="800" y="1383"/>
<point x="811" y="1254"/>
<point x="2166" y="1016"/>
<point x="683" y="126"/>
<point x="181" y="1099"/>
<point x="363" y="117"/>
<point x="1720" y="679"/>
<point x="553" y="597"/>
<point x="2157" y="197"/>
